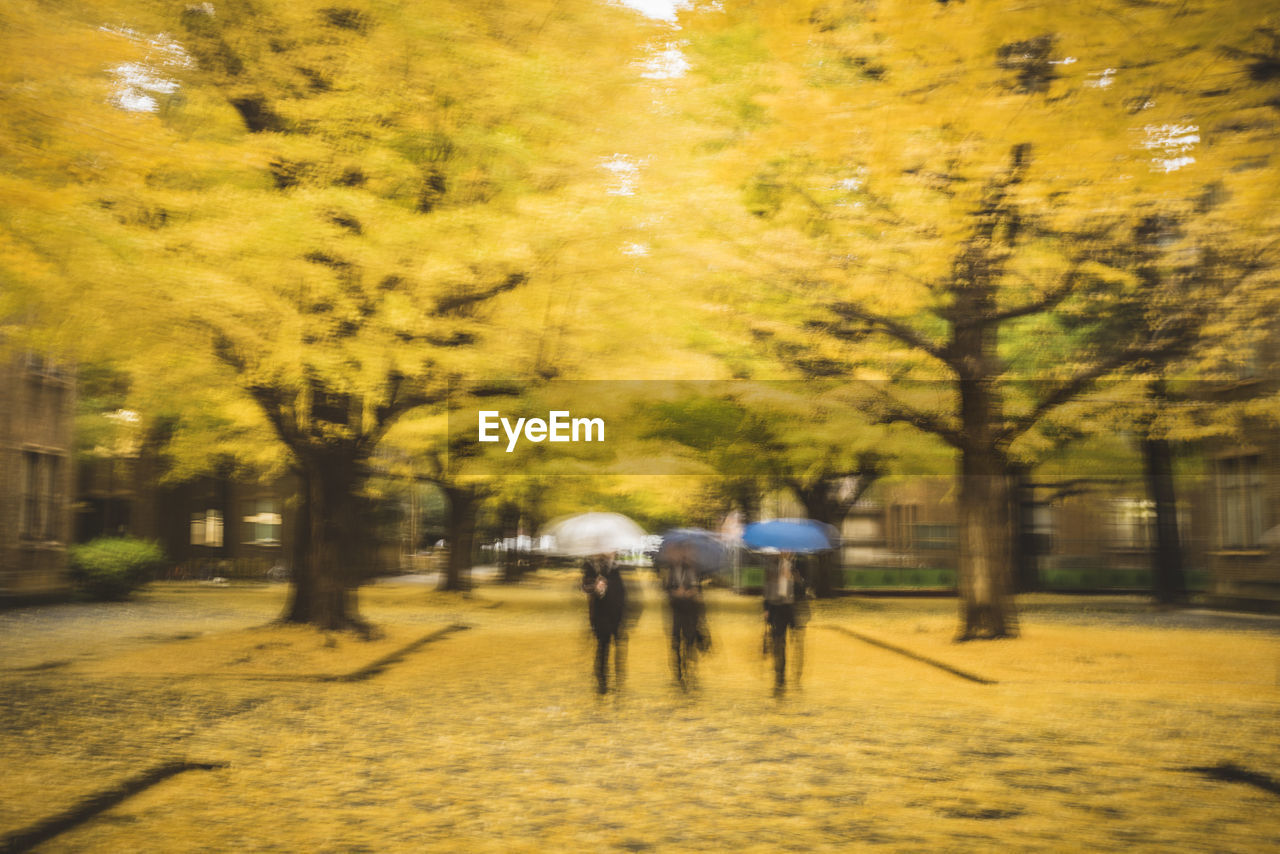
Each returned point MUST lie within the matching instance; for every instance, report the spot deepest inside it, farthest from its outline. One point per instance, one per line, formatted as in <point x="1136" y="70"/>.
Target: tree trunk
<point x="985" y="537"/>
<point x="736" y="493"/>
<point x="986" y="523"/>
<point x="1169" y="583"/>
<point x="825" y="565"/>
<point x="326" y="579"/>
<point x="829" y="498"/>
<point x="1025" y="540"/>
<point x="512" y="559"/>
<point x="464" y="505"/>
<point x="298" y="609"/>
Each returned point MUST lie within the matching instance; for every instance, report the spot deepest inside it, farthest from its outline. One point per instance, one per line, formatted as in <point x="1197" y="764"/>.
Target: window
<point x="902" y="526"/>
<point x="262" y="522"/>
<point x="934" y="536"/>
<point x="1132" y="523"/>
<point x="1239" y="482"/>
<point x="206" y="528"/>
<point x="41" y="367"/>
<point x="39" y="511"/>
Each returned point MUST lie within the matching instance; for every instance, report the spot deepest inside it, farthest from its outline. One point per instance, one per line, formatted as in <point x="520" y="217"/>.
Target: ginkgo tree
<point x="944" y="191"/>
<point x="314" y="218"/>
<point x="762" y="436"/>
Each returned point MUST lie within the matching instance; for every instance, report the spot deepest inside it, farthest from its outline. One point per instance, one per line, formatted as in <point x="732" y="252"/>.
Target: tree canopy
<point x="307" y="231"/>
<point x="311" y="219"/>
<point x="1008" y="201"/>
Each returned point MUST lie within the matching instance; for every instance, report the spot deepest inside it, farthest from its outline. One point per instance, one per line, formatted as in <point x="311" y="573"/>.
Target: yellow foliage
<point x="1105" y="729"/>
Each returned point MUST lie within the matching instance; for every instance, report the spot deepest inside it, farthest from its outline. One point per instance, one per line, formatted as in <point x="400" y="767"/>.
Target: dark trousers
<point x="605" y="637"/>
<point x="780" y="617"/>
<point x="686" y="616"/>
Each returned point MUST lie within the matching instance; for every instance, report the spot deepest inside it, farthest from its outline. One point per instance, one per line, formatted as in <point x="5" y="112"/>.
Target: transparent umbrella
<point x="594" y="533"/>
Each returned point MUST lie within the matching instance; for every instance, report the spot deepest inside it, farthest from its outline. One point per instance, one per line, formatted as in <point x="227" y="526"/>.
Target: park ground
<point x="182" y="721"/>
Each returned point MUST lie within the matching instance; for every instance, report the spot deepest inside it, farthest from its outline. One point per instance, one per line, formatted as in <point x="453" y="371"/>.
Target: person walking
<point x="689" y="634"/>
<point x="784" y="607"/>
<point x="607" y="613"/>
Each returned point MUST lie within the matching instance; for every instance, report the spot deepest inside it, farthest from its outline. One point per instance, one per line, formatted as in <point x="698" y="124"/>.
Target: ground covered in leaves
<point x="471" y="724"/>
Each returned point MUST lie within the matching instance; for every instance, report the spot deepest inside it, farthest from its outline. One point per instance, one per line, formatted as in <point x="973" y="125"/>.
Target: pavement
<point x="185" y="724"/>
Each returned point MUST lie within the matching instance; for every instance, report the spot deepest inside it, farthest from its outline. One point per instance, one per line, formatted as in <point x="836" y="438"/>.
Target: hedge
<point x="111" y="568"/>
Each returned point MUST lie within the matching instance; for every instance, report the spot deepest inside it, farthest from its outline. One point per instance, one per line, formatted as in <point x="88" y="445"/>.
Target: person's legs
<point x="778" y="631"/>
<point x="602" y="661"/>
<point x="677" y="653"/>
<point x="797" y="655"/>
<point x="619" y="658"/>
<point x="701" y="629"/>
<point x="683" y="638"/>
<point x="677" y="631"/>
<point x="779" y="616"/>
<point x="689" y="640"/>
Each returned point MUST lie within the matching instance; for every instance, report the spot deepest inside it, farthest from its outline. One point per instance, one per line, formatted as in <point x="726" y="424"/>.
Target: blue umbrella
<point x="791" y="535"/>
<point x="693" y="547"/>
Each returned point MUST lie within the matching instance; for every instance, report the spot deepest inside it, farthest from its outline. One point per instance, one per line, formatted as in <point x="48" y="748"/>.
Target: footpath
<point x="184" y="722"/>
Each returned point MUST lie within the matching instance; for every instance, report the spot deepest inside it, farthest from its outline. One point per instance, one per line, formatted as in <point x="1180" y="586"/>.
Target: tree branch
<point x="850" y="311"/>
<point x="1073" y="387"/>
<point x="1049" y="300"/>
<point x="460" y="303"/>
<point x="271" y="401"/>
<point x="399" y="402"/>
<point x="894" y="411"/>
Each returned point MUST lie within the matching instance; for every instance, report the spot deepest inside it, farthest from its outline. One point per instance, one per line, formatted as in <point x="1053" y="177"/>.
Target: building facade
<point x="208" y="527"/>
<point x="37" y="416"/>
<point x="1244" y="551"/>
<point x="1077" y="535"/>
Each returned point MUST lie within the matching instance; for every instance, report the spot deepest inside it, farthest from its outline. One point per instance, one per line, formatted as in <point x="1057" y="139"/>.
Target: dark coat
<point x="607" y="611"/>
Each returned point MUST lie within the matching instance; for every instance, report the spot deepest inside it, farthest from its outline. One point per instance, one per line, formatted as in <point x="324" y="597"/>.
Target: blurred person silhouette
<point x="607" y="608"/>
<point x="786" y="612"/>
<point x="689" y="633"/>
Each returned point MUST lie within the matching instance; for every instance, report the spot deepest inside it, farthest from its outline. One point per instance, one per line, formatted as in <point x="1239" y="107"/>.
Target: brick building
<point x="37" y="415"/>
<point x="1244" y="553"/>
<point x="226" y="526"/>
<point x="208" y="526"/>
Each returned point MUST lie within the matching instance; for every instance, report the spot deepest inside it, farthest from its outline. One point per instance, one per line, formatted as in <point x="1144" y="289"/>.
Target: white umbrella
<point x="594" y="533"/>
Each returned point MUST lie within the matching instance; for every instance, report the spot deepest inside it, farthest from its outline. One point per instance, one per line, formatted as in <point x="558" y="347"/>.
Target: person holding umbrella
<point x="689" y="634"/>
<point x="785" y="590"/>
<point x="607" y="612"/>
<point x="599" y="537"/>
<point x="784" y="587"/>
<point x="685" y="556"/>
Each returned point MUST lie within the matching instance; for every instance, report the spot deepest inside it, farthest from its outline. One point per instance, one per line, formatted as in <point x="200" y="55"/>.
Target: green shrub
<point x="113" y="567"/>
